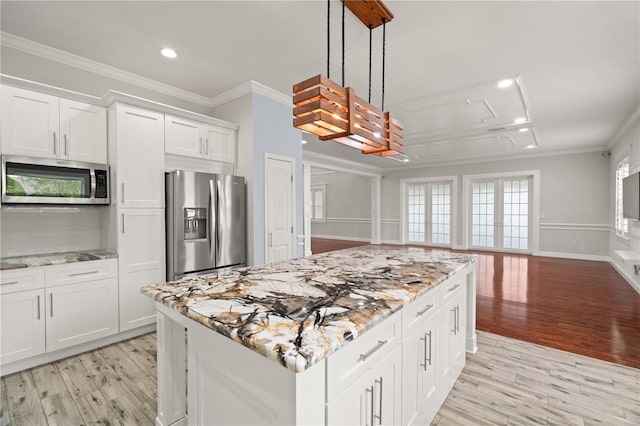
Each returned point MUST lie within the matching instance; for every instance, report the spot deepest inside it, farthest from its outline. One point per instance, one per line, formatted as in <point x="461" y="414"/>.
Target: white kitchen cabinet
<point x="452" y="336"/>
<point x="83" y="130"/>
<point x="141" y="248"/>
<point x="199" y="140"/>
<point x="22" y="324"/>
<point x="79" y="313"/>
<point x="220" y="144"/>
<point x="40" y="125"/>
<point x="139" y="147"/>
<point x="54" y="307"/>
<point x="374" y="399"/>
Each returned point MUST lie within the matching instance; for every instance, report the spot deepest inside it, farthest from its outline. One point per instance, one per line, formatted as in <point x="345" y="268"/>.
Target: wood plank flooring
<point x="507" y="382"/>
<point x="579" y="306"/>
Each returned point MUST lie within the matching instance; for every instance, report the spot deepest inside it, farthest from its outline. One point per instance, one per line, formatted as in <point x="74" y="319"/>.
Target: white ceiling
<point x="577" y="63"/>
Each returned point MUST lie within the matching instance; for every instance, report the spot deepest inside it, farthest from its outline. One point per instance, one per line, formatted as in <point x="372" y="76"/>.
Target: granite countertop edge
<point x="47" y="259"/>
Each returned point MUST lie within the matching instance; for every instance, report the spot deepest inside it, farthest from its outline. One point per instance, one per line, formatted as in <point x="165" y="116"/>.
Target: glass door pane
<point x="441" y="213"/>
<point x="483" y="211"/>
<point x="515" y="217"/>
<point x="416" y="195"/>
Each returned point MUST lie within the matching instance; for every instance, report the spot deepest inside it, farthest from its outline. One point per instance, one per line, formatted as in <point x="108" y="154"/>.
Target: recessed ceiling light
<point x="168" y="53"/>
<point x="524" y="129"/>
<point x="304" y="142"/>
<point x="530" y="146"/>
<point x="503" y="84"/>
<point x="406" y="160"/>
<point x="519" y="120"/>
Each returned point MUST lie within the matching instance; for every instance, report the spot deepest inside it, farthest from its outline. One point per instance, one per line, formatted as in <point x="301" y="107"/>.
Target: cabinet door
<point x="387" y="381"/>
<point x="452" y="333"/>
<point x="183" y="137"/>
<point x="353" y="406"/>
<point x="22" y="325"/>
<point x="220" y="144"/>
<point x="141" y="262"/>
<point x="83" y="130"/>
<point x="30" y="123"/>
<point x="430" y="386"/>
<point x="413" y="356"/>
<point x="457" y="342"/>
<point x="140" y="158"/>
<point x="79" y="313"/>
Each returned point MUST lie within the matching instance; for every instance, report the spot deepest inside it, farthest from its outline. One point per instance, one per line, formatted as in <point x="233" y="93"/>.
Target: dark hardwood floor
<point x="578" y="306"/>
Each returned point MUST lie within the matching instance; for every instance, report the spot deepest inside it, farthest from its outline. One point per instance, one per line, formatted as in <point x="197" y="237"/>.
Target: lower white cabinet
<point x="141" y="248"/>
<point x="22" y="325"/>
<point x="49" y="308"/>
<point x="79" y="313"/>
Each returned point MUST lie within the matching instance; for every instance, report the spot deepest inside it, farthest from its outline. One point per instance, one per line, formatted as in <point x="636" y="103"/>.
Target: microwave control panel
<point x="101" y="184"/>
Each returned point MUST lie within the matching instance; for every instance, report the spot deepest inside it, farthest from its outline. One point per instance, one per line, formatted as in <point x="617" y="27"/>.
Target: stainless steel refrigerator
<point x="206" y="222"/>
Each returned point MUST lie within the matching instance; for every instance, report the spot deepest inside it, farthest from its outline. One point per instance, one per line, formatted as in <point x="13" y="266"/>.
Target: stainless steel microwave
<point x="29" y="180"/>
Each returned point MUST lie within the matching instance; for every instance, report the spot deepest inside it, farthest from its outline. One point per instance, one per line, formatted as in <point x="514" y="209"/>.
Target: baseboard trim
<point x="634" y="283"/>
<point x="577" y="256"/>
<point x="24" y="364"/>
<point x="335" y="237"/>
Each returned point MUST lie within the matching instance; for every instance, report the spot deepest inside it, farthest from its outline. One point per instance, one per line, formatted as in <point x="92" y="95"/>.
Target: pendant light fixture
<point x="334" y="112"/>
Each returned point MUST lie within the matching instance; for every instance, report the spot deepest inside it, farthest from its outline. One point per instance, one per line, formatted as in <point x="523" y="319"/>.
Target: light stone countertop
<point x="297" y="312"/>
<point x="36" y="260"/>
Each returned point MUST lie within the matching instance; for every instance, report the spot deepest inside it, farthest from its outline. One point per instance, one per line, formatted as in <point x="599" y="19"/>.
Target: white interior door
<point x="279" y="196"/>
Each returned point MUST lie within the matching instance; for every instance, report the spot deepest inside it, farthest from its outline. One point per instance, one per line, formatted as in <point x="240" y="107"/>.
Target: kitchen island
<point x="335" y="338"/>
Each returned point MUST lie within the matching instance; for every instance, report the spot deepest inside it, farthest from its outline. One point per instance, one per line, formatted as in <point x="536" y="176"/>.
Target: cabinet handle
<point x="424" y="364"/>
<point x="454" y="288"/>
<point x="123" y="223"/>
<point x="66" y="145"/>
<point x="424" y="311"/>
<point x="379" y="416"/>
<point x="38" y="306"/>
<point x="10" y="282"/>
<point x="83" y="273"/>
<point x="454" y="320"/>
<point x="381" y="343"/>
<point x="55" y="149"/>
<point x="122" y="192"/>
<point x="200" y="149"/>
<point x="458" y="319"/>
<point x="206" y="141"/>
<point x="51" y="302"/>
<point x="370" y="390"/>
<point x="425" y="340"/>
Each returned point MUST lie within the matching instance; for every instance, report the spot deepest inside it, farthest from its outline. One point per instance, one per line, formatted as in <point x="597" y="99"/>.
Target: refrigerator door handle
<point x="221" y="218"/>
<point x="212" y="214"/>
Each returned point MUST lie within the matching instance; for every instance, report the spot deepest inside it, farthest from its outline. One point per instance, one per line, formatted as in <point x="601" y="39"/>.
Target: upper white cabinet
<point x="139" y="147"/>
<point x="40" y="125"/>
<point x="199" y="140"/>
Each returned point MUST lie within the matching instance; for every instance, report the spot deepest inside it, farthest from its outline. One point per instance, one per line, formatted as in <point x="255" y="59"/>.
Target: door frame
<point x="269" y="156"/>
<point x="535" y="207"/>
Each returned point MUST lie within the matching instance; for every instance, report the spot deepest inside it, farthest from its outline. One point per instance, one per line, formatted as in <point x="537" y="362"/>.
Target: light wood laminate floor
<point x="508" y="382"/>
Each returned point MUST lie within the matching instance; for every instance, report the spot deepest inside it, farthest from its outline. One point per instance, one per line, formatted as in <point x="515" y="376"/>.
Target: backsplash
<point x="43" y="229"/>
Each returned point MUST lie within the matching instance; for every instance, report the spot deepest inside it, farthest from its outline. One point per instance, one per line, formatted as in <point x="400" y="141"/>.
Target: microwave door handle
<point x="92" y="175"/>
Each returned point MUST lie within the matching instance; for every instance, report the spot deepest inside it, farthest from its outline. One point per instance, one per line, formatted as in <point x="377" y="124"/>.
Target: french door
<point x="501" y="214"/>
<point x="429" y="213"/>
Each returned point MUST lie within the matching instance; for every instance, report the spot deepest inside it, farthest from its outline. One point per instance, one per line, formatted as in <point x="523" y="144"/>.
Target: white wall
<point x="574" y="194"/>
<point x="348" y="206"/>
<point x="627" y="144"/>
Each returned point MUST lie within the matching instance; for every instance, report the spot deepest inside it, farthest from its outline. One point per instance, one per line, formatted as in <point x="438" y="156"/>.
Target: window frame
<point x="321" y="188"/>
<point x="620" y="224"/>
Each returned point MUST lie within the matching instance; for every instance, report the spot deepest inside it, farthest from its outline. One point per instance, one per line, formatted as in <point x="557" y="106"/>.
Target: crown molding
<point x="22" y="83"/>
<point x="339" y="164"/>
<point x="249" y="87"/>
<point x="31" y="47"/>
<point x="635" y="116"/>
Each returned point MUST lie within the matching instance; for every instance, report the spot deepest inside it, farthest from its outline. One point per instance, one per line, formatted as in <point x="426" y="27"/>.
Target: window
<point x="622" y="224"/>
<point x="318" y="208"/>
<point x="429" y="213"/>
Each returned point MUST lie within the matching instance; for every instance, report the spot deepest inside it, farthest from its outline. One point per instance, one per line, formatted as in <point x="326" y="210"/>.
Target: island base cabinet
<point x="374" y="399"/>
<point x="452" y="347"/>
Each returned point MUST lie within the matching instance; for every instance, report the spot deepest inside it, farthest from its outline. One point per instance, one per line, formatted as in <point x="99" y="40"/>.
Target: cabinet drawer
<point x="23" y="279"/>
<point x="451" y="287"/>
<point x="349" y="363"/>
<point x="71" y="273"/>
<point x="422" y="308"/>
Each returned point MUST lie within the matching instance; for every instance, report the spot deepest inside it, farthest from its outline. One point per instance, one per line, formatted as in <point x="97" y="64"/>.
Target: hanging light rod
<point x="370" y="12"/>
